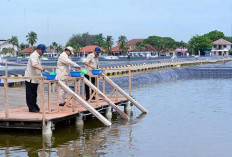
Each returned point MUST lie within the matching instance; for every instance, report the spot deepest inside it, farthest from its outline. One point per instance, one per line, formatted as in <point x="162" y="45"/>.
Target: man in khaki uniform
<point x="34" y="69"/>
<point x="63" y="70"/>
<point x="91" y="63"/>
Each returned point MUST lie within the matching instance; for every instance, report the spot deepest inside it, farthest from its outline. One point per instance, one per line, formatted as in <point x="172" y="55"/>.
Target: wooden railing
<point x="20" y="64"/>
<point x="78" y="83"/>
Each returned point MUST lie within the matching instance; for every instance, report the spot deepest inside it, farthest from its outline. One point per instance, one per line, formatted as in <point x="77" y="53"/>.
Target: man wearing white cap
<point x="63" y="69"/>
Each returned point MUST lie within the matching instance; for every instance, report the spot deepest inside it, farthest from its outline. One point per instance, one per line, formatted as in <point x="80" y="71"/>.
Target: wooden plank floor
<point x="22" y="114"/>
<point x="19" y="112"/>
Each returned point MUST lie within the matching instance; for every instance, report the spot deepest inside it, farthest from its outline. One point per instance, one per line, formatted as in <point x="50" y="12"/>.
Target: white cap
<point x="70" y="49"/>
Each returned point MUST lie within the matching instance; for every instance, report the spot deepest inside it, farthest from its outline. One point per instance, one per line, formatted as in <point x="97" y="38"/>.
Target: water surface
<point x="187" y="118"/>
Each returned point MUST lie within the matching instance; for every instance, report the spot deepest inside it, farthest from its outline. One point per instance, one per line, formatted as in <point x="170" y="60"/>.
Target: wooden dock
<point x="22" y="119"/>
<point x="15" y="114"/>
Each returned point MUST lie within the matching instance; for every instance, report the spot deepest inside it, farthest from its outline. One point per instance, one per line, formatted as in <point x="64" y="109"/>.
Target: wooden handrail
<point x="11" y="63"/>
<point x="125" y="94"/>
<point x="16" y="78"/>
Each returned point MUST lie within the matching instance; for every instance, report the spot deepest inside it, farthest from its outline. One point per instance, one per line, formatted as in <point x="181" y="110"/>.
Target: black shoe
<point x="62" y="104"/>
<point x="34" y="110"/>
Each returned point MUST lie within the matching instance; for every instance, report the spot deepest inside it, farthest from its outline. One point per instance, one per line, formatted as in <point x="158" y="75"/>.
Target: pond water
<point x="190" y="118"/>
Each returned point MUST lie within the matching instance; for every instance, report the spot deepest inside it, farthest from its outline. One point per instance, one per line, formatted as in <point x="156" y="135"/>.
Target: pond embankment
<point x="218" y="70"/>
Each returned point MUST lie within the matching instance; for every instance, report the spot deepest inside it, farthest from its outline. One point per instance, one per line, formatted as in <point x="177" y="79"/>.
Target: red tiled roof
<point x="148" y="48"/>
<point x="50" y="50"/>
<point x="90" y="48"/>
<point x="116" y="48"/>
<point x="27" y="50"/>
<point x="134" y="41"/>
<point x="182" y="50"/>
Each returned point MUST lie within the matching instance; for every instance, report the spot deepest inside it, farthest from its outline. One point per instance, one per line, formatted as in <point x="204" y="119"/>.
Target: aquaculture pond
<point x="187" y="118"/>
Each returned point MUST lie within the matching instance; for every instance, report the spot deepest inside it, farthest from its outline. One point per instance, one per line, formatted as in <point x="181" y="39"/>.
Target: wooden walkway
<point x="19" y="117"/>
<point x="14" y="112"/>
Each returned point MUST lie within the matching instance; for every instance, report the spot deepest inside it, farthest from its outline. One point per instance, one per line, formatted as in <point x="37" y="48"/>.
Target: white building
<point x="5" y="43"/>
<point x="221" y="47"/>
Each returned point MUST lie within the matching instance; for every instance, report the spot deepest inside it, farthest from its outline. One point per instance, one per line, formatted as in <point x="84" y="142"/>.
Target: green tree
<point x="23" y="46"/>
<point x="214" y="35"/>
<point x="161" y="44"/>
<point x="181" y="44"/>
<point x="141" y="46"/>
<point x="5" y="50"/>
<point x="14" y="41"/>
<point x="199" y="43"/>
<point x="54" y="46"/>
<point x="122" y="41"/>
<point x="108" y="44"/>
<point x="228" y="39"/>
<point x="81" y="40"/>
<point x="100" y="39"/>
<point x="31" y="38"/>
<point x="59" y="48"/>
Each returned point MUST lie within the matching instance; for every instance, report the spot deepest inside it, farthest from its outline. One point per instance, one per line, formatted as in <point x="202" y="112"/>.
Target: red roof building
<point x="132" y="43"/>
<point x="116" y="48"/>
<point x="132" y="47"/>
<point x="28" y="50"/>
<point x="182" y="51"/>
<point x="89" y="49"/>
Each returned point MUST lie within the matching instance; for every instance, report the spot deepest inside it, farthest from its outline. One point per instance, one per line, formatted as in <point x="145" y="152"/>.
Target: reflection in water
<point x="68" y="141"/>
<point x="186" y="118"/>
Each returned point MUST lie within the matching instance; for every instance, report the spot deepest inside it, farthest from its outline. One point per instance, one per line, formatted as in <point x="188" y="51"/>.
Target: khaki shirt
<point x="63" y="66"/>
<point x="34" y="59"/>
<point x="93" y="61"/>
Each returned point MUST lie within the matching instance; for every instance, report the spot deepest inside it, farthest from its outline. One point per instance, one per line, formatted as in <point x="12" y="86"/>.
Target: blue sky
<point x="58" y="20"/>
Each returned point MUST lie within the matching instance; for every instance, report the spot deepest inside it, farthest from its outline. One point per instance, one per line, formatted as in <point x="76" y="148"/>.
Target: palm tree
<point x="59" y="48"/>
<point x="99" y="40"/>
<point x="108" y="44"/>
<point x="122" y="41"/>
<point x="14" y="41"/>
<point x="54" y="46"/>
<point x="31" y="38"/>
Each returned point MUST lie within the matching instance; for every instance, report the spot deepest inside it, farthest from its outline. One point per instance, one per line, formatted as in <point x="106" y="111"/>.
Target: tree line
<point x="161" y="44"/>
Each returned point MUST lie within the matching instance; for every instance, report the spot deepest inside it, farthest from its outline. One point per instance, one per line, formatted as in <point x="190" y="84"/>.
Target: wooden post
<point x="83" y="88"/>
<point x="75" y="90"/>
<point x="130" y="82"/>
<point x="57" y="95"/>
<point x="49" y="96"/>
<point x="103" y="85"/>
<point x="79" y="86"/>
<point x="90" y="91"/>
<point x="6" y="97"/>
<point x="6" y="72"/>
<point x="53" y="86"/>
<point x="42" y="100"/>
<point x="97" y="96"/>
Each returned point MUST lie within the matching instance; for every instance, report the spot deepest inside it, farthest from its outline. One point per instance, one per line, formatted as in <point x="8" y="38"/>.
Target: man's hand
<point x="46" y="71"/>
<point x="78" y="68"/>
